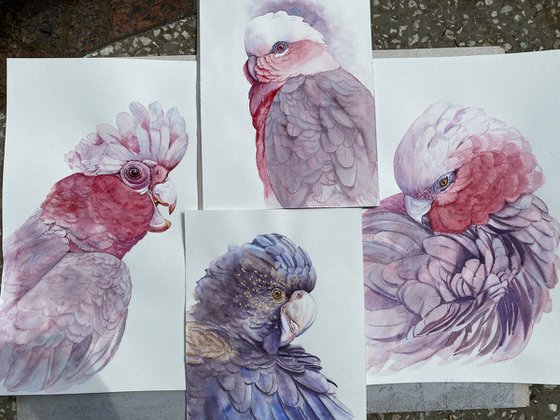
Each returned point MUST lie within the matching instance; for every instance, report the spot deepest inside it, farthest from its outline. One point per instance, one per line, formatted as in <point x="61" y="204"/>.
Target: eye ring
<point x="277" y="294"/>
<point x="135" y="174"/>
<point x="443" y="182"/>
<point x="279" y="47"/>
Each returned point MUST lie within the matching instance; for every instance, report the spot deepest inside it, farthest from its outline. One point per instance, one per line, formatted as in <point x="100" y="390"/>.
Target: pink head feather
<point x="147" y="135"/>
<point x="492" y="164"/>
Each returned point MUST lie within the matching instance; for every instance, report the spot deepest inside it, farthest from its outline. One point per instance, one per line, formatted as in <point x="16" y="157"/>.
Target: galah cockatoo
<point x="314" y="121"/>
<point x="65" y="287"/>
<point x="462" y="262"/>
<point x="251" y="304"/>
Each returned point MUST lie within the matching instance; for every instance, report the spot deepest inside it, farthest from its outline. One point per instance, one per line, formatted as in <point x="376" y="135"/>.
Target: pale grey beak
<point x="417" y="207"/>
<point x="296" y="316"/>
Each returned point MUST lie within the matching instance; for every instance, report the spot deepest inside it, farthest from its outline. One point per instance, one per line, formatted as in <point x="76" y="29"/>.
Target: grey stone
<point x="437" y="52"/>
<point x="445" y="396"/>
<point x="117" y="405"/>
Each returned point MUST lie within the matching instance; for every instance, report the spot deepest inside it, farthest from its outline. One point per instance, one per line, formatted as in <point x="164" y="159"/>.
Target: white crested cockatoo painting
<point x="460" y="265"/>
<point x="92" y="267"/>
<point x="299" y="129"/>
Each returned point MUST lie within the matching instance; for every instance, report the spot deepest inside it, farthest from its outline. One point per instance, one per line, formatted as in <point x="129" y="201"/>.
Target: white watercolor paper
<point x="331" y="238"/>
<point x="522" y="90"/>
<point x="52" y="105"/>
<point x="231" y="178"/>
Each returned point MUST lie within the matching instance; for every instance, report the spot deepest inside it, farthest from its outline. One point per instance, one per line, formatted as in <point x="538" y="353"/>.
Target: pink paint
<point x="484" y="185"/>
<point x="101" y="213"/>
<point x="267" y="74"/>
<point x="393" y="203"/>
<point x="260" y="98"/>
<point x="302" y="58"/>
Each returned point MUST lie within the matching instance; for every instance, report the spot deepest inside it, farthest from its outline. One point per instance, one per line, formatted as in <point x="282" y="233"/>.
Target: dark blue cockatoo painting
<point x="241" y="362"/>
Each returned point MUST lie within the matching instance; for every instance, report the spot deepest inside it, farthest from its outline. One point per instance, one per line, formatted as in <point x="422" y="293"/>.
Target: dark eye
<point x="443" y="182"/>
<point x="279" y="47"/>
<point x="135" y="174"/>
<point x="277" y="294"/>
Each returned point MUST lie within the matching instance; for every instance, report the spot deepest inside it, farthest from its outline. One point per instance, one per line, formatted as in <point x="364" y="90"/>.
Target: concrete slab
<point x="445" y="396"/>
<point x="118" y="406"/>
<point x="438" y="52"/>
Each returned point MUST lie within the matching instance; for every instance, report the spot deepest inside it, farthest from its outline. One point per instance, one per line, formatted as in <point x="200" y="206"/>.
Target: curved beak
<point x="249" y="69"/>
<point x="296" y="316"/>
<point x="165" y="194"/>
<point x="417" y="207"/>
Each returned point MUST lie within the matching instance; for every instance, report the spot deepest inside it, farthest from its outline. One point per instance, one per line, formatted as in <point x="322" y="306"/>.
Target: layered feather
<point x="229" y="372"/>
<point x="475" y="278"/>
<point x="149" y="135"/>
<point x="314" y="121"/>
<point x="61" y="322"/>
<point x="320" y="142"/>
<point x="65" y="290"/>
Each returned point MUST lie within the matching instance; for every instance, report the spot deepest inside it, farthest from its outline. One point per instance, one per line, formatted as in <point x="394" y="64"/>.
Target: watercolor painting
<point x="461" y="263"/>
<point x="274" y="302"/>
<point x="252" y="303"/>
<point x="65" y="288"/>
<point x="479" y="162"/>
<point x="65" y="99"/>
<point x="314" y="121"/>
<point x="301" y="109"/>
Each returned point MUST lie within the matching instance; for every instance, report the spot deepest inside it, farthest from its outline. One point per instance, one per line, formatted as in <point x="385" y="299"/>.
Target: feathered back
<point x="147" y="135"/>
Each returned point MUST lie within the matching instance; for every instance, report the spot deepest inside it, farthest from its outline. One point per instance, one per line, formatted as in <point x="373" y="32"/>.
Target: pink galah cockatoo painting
<point x="65" y="288"/>
<point x="314" y="120"/>
<point x="461" y="264"/>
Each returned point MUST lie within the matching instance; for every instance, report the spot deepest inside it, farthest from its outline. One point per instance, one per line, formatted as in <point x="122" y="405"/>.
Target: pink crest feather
<point x="144" y="135"/>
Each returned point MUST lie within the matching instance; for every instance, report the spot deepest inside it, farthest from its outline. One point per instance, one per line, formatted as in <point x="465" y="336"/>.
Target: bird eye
<point x="279" y="47"/>
<point x="135" y="174"/>
<point x="443" y="182"/>
<point x="277" y="294"/>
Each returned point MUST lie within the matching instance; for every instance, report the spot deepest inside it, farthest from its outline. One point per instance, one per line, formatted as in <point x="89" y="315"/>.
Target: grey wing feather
<point x="67" y="327"/>
<point x="29" y="253"/>
<point x="478" y="293"/>
<point x="320" y="142"/>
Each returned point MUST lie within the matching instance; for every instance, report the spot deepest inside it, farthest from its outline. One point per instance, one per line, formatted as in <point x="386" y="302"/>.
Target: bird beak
<point x="417" y="207"/>
<point x="296" y="316"/>
<point x="165" y="194"/>
<point x="249" y="69"/>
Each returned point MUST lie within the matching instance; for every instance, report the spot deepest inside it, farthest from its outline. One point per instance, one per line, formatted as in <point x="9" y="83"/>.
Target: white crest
<point x="429" y="147"/>
<point x="264" y="31"/>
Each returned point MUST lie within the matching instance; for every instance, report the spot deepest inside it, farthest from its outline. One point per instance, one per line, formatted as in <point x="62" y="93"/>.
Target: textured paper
<point x="331" y="238"/>
<point x="519" y="89"/>
<point x="52" y="105"/>
<point x="231" y="179"/>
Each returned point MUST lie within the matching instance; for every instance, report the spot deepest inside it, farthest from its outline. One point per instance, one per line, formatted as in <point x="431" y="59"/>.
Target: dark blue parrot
<point x="252" y="302"/>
